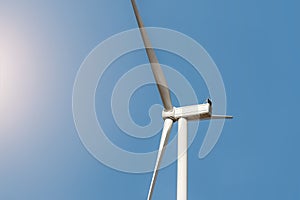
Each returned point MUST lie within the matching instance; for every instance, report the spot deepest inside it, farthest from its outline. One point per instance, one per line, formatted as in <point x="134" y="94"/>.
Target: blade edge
<point x="163" y="141"/>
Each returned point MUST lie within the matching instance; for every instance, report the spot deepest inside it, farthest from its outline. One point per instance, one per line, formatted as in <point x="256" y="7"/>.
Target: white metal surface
<point x="163" y="142"/>
<point x="182" y="159"/>
<point x="193" y="112"/>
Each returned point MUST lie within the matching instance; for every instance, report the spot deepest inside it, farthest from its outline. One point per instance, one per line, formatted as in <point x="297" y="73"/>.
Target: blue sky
<point x="255" y="44"/>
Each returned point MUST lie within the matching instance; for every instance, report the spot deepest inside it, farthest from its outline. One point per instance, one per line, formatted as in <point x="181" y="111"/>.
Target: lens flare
<point x="15" y="62"/>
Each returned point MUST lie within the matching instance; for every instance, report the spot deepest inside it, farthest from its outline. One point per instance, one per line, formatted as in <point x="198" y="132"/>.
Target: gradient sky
<point x="254" y="43"/>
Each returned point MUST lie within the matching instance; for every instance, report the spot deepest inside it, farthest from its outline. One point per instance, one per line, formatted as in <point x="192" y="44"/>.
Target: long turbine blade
<point x="155" y="66"/>
<point x="163" y="142"/>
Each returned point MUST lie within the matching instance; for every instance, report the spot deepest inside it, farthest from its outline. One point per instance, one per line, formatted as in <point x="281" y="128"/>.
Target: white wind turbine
<point x="172" y="114"/>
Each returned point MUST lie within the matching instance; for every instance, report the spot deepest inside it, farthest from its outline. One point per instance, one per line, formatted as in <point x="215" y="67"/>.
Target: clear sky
<point x="254" y="43"/>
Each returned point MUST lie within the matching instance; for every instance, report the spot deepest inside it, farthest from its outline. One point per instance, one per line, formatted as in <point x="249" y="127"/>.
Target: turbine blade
<point x="221" y="117"/>
<point x="155" y="66"/>
<point x="163" y="142"/>
<point x="210" y="140"/>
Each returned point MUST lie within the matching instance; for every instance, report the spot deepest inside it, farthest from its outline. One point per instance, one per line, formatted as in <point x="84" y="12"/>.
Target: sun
<point x="15" y="58"/>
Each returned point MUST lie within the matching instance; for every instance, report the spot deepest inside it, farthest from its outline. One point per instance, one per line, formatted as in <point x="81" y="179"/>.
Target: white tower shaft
<point x="182" y="159"/>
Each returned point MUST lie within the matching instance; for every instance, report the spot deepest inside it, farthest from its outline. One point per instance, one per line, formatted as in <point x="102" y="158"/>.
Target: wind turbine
<point x="171" y="115"/>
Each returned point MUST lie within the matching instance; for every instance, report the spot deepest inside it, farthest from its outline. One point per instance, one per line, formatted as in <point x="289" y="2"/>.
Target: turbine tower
<point x="171" y="115"/>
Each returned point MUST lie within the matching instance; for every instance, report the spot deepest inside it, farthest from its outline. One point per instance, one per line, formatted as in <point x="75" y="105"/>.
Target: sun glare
<point x="14" y="61"/>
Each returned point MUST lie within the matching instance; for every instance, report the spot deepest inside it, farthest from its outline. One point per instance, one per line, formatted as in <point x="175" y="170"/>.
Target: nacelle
<point x="194" y="112"/>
